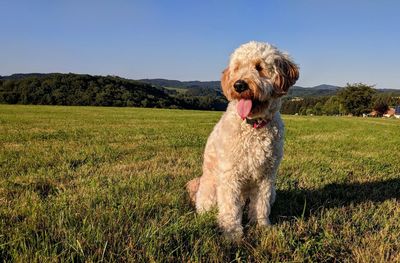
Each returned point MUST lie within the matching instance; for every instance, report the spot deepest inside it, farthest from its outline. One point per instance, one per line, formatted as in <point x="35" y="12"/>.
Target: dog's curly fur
<point x="240" y="161"/>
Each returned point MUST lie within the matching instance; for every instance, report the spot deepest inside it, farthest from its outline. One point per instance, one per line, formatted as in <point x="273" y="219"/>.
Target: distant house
<point x="397" y="112"/>
<point x="373" y="113"/>
<point x="389" y="113"/>
<point x="296" y="99"/>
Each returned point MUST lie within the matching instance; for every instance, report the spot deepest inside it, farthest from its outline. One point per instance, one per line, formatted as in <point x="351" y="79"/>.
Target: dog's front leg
<point x="261" y="199"/>
<point x="230" y="209"/>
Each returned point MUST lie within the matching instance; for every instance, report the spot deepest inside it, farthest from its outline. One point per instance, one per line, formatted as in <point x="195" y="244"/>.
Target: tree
<point x="318" y="108"/>
<point x="332" y="106"/>
<point x="303" y="111"/>
<point x="357" y="98"/>
<point x="381" y="103"/>
<point x="381" y="107"/>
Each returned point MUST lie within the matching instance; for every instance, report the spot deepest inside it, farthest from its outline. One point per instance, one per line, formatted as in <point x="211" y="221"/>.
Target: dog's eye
<point x="258" y="67"/>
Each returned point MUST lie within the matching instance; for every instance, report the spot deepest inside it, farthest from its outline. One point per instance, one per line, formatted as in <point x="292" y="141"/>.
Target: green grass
<point x="107" y="184"/>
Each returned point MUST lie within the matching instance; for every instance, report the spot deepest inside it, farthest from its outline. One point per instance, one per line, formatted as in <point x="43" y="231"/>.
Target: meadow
<point x="102" y="184"/>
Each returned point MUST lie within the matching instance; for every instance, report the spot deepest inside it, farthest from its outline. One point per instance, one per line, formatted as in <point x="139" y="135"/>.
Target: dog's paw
<point x="233" y="234"/>
<point x="192" y="187"/>
<point x="263" y="222"/>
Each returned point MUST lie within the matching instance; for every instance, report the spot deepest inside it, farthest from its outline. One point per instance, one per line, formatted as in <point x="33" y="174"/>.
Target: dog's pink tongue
<point x="244" y="108"/>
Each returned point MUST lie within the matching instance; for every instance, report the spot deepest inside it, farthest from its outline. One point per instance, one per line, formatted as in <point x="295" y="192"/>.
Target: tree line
<point x="87" y="90"/>
<point x="355" y="99"/>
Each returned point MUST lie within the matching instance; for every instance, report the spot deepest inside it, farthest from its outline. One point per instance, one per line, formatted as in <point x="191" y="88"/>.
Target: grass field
<point x="107" y="184"/>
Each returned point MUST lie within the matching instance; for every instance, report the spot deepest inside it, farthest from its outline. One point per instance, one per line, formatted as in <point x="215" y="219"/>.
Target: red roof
<point x="390" y="112"/>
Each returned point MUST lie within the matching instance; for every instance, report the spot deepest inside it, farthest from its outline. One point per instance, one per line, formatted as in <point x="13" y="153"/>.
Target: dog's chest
<point x="255" y="152"/>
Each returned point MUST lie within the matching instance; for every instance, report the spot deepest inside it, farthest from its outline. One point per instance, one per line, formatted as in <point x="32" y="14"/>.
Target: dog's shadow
<point x="301" y="203"/>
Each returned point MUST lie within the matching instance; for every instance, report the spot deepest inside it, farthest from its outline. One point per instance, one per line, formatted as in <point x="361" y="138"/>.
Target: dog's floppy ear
<point x="225" y="83"/>
<point x="286" y="74"/>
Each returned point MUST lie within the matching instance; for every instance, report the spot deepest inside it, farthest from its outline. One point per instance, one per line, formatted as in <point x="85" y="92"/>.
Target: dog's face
<point x="257" y="76"/>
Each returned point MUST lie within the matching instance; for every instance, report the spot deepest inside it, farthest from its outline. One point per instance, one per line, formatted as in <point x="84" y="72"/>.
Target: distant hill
<point x="394" y="91"/>
<point x="296" y="91"/>
<point x="325" y="87"/>
<point x="24" y="75"/>
<point x="317" y="91"/>
<point x="182" y="84"/>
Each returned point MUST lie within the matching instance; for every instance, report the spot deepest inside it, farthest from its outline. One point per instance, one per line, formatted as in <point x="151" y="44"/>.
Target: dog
<point x="245" y="148"/>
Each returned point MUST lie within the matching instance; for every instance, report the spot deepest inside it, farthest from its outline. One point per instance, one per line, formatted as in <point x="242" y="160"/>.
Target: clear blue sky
<point x="334" y="42"/>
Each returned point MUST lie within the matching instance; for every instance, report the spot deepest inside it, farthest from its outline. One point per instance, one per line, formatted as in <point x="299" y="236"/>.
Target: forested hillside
<point x="87" y="90"/>
<point x="76" y="89"/>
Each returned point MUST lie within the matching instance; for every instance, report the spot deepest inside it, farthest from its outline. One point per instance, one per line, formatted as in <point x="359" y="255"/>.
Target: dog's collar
<point x="257" y="123"/>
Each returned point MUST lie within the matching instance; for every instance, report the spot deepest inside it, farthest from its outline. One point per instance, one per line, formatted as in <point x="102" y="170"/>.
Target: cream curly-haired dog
<point x="245" y="148"/>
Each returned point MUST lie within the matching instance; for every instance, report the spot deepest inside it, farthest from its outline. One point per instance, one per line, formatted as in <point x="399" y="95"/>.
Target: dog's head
<point x="257" y="76"/>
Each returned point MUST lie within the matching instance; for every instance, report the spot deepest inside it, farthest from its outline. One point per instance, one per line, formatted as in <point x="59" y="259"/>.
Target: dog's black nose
<point x="240" y="85"/>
